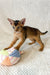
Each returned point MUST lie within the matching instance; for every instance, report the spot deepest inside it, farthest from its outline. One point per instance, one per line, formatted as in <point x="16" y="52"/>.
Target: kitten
<point x="23" y="32"/>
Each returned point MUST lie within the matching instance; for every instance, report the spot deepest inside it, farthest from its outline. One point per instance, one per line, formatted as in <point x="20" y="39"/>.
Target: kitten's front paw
<point x="6" y="48"/>
<point x="30" y="44"/>
<point x="16" y="48"/>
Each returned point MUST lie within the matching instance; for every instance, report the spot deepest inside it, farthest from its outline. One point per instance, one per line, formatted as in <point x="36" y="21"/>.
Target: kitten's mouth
<point x="17" y="31"/>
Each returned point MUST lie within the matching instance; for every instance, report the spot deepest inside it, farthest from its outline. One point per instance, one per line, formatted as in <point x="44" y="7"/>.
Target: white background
<point x="37" y="14"/>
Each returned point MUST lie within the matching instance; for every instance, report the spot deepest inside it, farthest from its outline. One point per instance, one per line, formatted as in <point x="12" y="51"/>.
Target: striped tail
<point x="43" y="33"/>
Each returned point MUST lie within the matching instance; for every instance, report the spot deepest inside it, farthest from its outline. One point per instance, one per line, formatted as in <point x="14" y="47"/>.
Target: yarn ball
<point x="10" y="56"/>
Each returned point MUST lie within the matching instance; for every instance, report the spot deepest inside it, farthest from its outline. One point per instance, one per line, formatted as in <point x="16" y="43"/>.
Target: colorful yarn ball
<point x="10" y="56"/>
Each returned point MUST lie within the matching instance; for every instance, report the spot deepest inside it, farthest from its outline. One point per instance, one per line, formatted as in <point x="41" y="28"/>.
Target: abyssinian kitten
<point x="23" y="32"/>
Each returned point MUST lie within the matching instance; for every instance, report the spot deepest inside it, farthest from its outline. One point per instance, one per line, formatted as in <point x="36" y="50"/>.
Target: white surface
<point x="37" y="14"/>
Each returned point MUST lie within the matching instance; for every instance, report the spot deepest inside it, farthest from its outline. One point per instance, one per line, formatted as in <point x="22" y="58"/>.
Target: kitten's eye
<point x="13" y="27"/>
<point x="18" y="27"/>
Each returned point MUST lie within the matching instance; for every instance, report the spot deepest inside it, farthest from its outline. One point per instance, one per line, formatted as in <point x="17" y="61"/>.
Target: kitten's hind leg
<point x="38" y="39"/>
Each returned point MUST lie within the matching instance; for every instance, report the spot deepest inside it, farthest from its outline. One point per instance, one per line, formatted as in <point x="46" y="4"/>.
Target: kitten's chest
<point x="18" y="34"/>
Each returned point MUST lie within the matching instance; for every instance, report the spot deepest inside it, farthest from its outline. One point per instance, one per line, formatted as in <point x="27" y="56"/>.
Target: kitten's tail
<point x="43" y="33"/>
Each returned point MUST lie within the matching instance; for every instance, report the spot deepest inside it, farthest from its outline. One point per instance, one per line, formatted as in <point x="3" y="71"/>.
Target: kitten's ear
<point x="23" y="21"/>
<point x="11" y="21"/>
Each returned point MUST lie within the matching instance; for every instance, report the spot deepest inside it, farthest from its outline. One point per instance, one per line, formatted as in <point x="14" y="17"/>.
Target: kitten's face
<point x="17" y="24"/>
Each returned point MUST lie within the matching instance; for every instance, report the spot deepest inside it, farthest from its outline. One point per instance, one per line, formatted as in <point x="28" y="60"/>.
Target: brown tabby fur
<point x="23" y="32"/>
